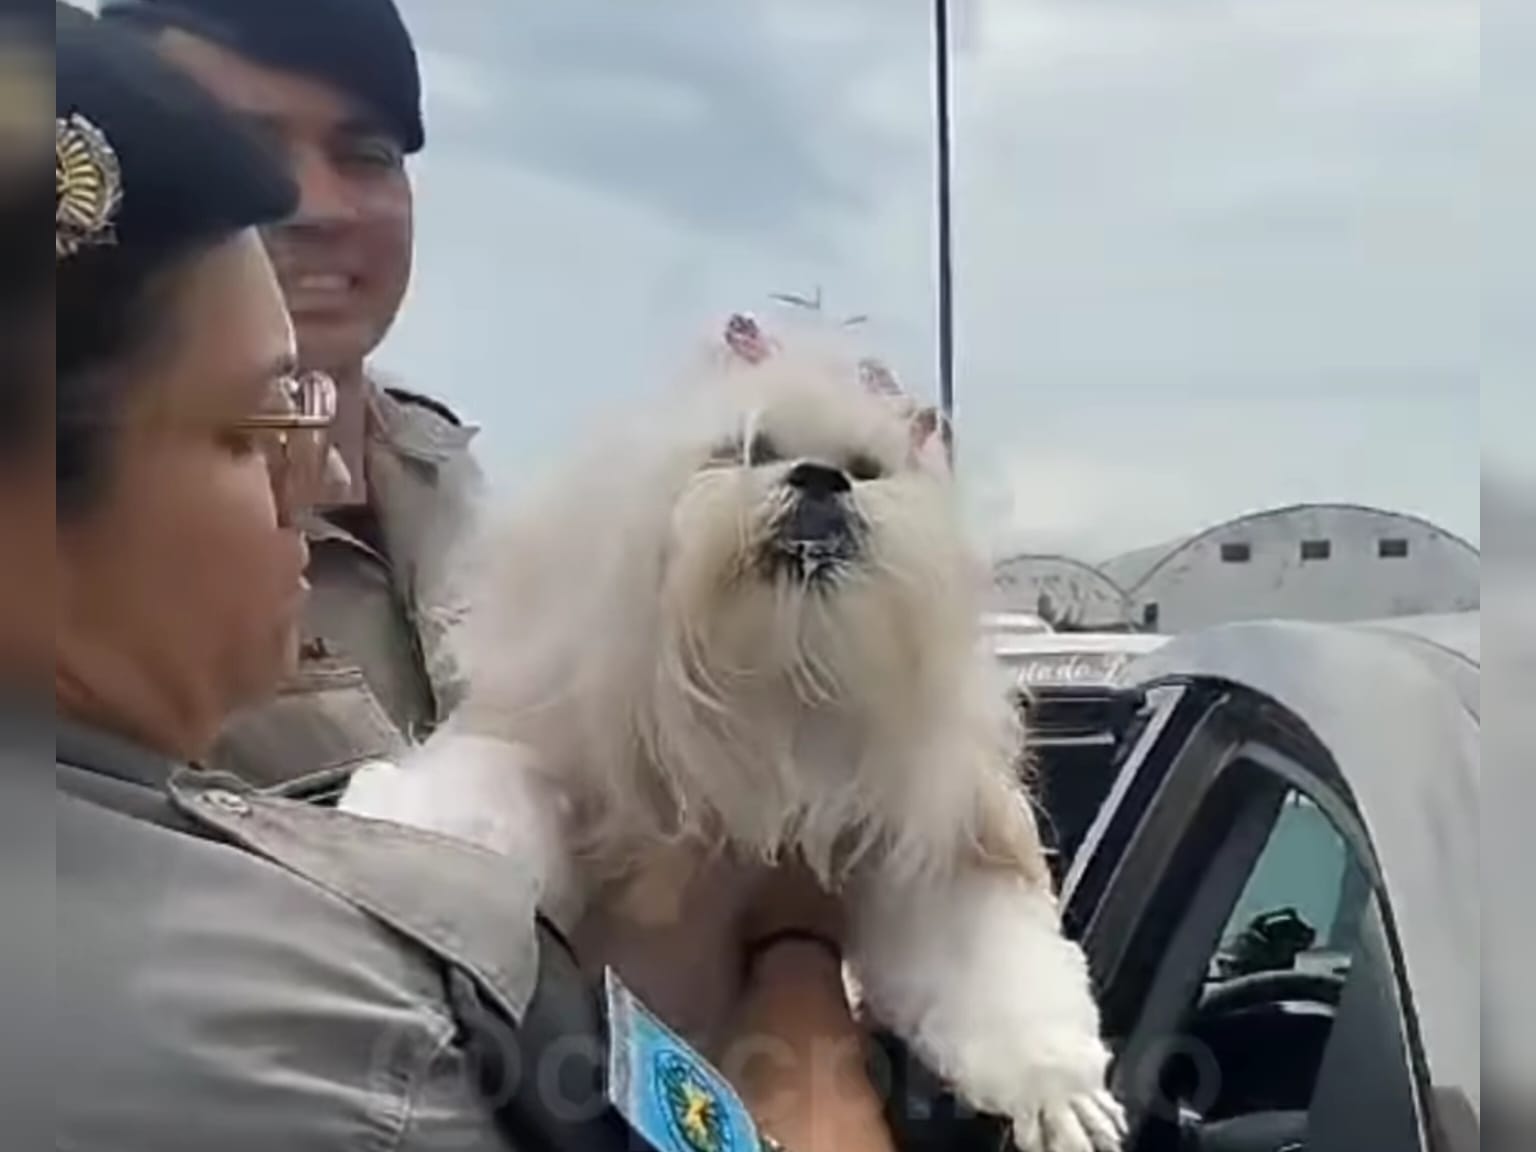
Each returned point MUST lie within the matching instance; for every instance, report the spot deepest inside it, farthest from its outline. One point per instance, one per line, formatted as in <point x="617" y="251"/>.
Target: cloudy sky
<point x="1212" y="255"/>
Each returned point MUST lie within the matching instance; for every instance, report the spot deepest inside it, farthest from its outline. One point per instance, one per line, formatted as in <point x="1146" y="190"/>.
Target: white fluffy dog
<point x="746" y="626"/>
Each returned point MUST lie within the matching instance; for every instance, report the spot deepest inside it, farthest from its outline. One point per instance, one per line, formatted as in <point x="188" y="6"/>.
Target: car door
<point x="1229" y="904"/>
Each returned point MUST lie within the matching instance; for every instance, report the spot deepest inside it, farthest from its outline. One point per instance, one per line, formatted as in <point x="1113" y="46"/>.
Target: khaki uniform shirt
<point x="375" y="667"/>
<point x="239" y="972"/>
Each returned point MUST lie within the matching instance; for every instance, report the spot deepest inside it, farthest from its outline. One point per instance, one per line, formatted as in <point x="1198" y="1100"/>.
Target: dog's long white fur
<point x="638" y="687"/>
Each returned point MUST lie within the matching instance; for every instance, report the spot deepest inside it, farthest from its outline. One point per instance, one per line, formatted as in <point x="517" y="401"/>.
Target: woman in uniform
<point x="236" y="972"/>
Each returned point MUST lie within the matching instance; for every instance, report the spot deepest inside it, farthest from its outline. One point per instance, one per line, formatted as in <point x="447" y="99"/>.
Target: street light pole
<point x="946" y="301"/>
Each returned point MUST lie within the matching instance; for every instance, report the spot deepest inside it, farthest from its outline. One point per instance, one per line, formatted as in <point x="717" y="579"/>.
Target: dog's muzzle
<point x="819" y="532"/>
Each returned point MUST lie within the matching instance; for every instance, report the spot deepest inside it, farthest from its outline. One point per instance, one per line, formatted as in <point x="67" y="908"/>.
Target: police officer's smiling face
<point x="345" y="259"/>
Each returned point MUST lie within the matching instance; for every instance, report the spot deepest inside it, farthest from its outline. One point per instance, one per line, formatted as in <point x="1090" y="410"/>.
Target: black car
<point x="1081" y="717"/>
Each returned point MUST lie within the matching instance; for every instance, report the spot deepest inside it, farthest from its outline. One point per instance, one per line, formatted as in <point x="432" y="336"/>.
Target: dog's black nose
<point x="818" y="480"/>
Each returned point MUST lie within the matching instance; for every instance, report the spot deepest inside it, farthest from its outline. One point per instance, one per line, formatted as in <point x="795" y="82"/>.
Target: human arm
<point x="797" y="1053"/>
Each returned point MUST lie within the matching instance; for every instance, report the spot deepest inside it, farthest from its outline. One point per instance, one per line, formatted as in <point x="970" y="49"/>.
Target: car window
<point x="1240" y="1037"/>
<point x="1276" y="971"/>
<point x="1301" y="906"/>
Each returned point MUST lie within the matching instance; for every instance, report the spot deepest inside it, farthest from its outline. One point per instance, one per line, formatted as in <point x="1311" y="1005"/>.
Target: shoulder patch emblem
<point x="669" y="1094"/>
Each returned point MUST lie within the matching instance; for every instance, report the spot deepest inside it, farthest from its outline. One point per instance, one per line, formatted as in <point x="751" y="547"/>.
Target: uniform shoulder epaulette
<point x="431" y="403"/>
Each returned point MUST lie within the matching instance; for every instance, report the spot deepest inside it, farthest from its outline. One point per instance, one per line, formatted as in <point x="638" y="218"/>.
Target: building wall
<point x="1331" y="562"/>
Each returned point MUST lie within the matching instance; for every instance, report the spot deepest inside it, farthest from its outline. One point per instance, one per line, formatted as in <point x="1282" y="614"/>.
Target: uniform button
<point x="226" y="802"/>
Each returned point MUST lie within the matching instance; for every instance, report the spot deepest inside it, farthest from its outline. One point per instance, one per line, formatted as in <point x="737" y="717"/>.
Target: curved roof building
<point x="1064" y="592"/>
<point x="1309" y="561"/>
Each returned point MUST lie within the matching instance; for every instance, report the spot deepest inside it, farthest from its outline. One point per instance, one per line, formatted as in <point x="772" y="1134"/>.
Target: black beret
<point x="359" y="46"/>
<point x="147" y="164"/>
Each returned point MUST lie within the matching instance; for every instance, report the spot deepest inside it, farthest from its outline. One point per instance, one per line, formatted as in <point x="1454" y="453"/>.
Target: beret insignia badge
<point x="88" y="186"/>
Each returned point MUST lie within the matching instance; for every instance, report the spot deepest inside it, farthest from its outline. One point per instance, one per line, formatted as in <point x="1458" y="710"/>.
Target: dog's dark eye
<point x="762" y="451"/>
<point x="865" y="468"/>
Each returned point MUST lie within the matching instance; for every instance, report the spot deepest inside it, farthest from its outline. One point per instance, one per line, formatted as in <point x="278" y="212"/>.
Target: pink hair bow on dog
<point x="925" y="422"/>
<point x="744" y="337"/>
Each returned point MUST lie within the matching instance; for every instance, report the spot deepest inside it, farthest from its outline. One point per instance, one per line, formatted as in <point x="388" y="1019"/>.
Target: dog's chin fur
<point x="667" y="683"/>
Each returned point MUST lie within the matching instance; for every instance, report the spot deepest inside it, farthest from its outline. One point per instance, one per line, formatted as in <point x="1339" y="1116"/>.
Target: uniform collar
<point x="408" y="430"/>
<point x="318" y="529"/>
<point x="414" y="431"/>
<point x="104" y="754"/>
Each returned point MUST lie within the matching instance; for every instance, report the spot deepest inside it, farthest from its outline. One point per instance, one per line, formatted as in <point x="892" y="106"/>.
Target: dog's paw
<point x="1089" y="1121"/>
<point x="1058" y="1099"/>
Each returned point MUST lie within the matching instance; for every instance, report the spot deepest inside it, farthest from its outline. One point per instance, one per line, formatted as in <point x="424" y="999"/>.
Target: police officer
<point x="334" y="85"/>
<point x="237" y="971"/>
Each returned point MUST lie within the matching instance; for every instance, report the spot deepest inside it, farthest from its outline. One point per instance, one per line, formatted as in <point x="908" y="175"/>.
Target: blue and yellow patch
<point x="670" y="1095"/>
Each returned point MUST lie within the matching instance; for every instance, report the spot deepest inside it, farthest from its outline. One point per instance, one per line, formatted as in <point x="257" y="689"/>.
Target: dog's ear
<point x="932" y="438"/>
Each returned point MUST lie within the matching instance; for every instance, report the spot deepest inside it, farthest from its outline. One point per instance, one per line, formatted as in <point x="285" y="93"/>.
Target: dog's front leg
<point x="975" y="975"/>
<point x="489" y="792"/>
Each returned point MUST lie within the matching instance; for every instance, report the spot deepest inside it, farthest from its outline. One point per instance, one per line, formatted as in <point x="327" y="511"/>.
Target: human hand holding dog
<point x="797" y="1053"/>
<point x="789" y="909"/>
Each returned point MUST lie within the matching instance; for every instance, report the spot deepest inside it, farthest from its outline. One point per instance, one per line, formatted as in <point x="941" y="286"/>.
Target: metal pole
<point x="946" y="302"/>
